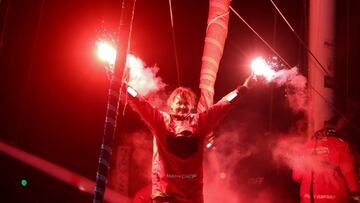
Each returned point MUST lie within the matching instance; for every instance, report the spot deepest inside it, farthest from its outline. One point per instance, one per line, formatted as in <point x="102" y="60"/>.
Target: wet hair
<point x="183" y="92"/>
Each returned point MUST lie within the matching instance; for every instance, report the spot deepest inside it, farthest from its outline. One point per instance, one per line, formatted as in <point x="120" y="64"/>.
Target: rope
<point x="114" y="100"/>
<point x="264" y="41"/>
<point x="271" y="105"/>
<point x="287" y="64"/>
<point x="326" y="73"/>
<point x="174" y="43"/>
<point x="300" y="40"/>
<point x="216" y="18"/>
<point x="322" y="67"/>
<point x="131" y="28"/>
<point x="125" y="76"/>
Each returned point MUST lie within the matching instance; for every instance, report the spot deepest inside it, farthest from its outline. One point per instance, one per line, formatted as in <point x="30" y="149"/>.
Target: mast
<point x="113" y="100"/>
<point x="322" y="44"/>
<point x="216" y="33"/>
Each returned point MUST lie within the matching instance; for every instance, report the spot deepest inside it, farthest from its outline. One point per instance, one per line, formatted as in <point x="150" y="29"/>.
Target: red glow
<point x="60" y="173"/>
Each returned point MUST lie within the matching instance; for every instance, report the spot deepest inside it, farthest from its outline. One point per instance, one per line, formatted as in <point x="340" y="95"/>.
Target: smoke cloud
<point x="288" y="150"/>
<point x="294" y="83"/>
<point x="220" y="164"/>
<point x="239" y="168"/>
<point x="295" y="87"/>
<point x="143" y="79"/>
<point x="141" y="144"/>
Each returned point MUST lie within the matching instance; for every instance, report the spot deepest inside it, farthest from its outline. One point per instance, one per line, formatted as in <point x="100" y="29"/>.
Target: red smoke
<point x="288" y="150"/>
<point x="219" y="166"/>
<point x="143" y="79"/>
<point x="295" y="87"/>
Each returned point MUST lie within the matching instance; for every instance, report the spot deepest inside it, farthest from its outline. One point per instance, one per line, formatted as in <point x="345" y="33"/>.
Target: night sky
<point x="54" y="88"/>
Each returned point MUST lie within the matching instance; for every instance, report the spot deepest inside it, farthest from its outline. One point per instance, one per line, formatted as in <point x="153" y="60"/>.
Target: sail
<point x="216" y="33"/>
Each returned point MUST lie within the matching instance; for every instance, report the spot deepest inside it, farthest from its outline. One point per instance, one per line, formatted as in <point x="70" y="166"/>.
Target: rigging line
<point x="129" y="38"/>
<point x="271" y="105"/>
<point x="131" y="27"/>
<point x="265" y="42"/>
<point x="308" y="50"/>
<point x="335" y="109"/>
<point x="124" y="76"/>
<point x="321" y="96"/>
<point x="274" y="39"/>
<point x="174" y="43"/>
<point x="300" y="40"/>
<point x="216" y="18"/>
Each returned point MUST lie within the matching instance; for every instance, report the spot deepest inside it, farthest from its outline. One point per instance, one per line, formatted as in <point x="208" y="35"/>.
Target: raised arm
<point x="148" y="113"/>
<point x="212" y="116"/>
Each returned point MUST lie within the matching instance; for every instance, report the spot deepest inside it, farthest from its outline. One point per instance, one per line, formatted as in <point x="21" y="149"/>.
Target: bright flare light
<point x="106" y="52"/>
<point x="261" y="68"/>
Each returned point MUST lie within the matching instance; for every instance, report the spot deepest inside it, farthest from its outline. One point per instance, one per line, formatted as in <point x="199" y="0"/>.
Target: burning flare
<point x="291" y="79"/>
<point x="106" y="52"/>
<point x="262" y="68"/>
<point x="142" y="79"/>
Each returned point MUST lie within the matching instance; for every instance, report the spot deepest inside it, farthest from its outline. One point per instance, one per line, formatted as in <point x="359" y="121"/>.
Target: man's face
<point x="181" y="106"/>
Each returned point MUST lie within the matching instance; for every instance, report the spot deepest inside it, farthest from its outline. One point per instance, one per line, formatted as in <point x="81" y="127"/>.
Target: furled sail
<point x="216" y="33"/>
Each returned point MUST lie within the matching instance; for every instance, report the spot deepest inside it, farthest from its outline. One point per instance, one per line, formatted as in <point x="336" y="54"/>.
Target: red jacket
<point x="328" y="166"/>
<point x="177" y="170"/>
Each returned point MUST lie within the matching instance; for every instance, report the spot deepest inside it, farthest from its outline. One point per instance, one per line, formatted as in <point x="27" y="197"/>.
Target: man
<point x="179" y="137"/>
<point x="327" y="173"/>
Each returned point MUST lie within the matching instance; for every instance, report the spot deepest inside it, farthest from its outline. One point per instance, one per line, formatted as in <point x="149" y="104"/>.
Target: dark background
<point x="54" y="89"/>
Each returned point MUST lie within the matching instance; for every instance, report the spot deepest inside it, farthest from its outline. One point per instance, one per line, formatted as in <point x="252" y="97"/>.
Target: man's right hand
<point x="250" y="81"/>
